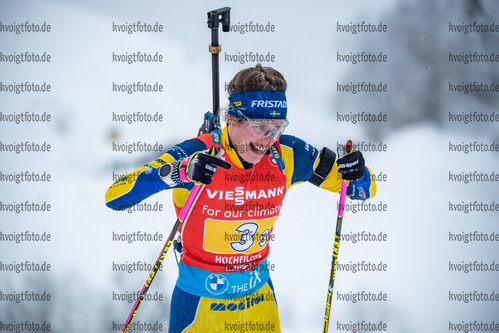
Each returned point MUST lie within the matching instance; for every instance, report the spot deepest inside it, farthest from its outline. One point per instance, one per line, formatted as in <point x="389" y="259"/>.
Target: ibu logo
<point x="216" y="283"/>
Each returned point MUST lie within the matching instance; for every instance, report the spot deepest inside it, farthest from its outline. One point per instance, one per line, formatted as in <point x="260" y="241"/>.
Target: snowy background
<point x="417" y="162"/>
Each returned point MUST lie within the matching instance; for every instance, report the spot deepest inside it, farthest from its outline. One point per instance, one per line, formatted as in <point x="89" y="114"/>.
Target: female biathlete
<point x="246" y="168"/>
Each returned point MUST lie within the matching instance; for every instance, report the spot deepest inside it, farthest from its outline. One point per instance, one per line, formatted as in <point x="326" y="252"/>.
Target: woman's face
<point x="251" y="147"/>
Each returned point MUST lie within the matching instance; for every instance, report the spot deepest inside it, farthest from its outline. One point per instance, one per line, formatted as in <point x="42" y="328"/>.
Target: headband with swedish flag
<point x="262" y="104"/>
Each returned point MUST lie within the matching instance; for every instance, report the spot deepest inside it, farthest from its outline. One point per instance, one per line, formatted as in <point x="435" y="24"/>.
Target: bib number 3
<point x="248" y="233"/>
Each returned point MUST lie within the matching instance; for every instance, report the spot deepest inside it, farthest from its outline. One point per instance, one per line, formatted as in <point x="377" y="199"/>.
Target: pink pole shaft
<point x="188" y="203"/>
<point x="342" y="197"/>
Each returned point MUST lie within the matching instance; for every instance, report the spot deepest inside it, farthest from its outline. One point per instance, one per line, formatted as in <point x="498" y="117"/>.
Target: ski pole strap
<point x="326" y="162"/>
<point x="184" y="165"/>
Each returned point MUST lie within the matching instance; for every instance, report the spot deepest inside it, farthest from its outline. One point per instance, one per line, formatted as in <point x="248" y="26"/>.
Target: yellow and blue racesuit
<point x="223" y="278"/>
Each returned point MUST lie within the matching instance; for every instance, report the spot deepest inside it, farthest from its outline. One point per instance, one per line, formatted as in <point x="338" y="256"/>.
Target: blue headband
<point x="264" y="104"/>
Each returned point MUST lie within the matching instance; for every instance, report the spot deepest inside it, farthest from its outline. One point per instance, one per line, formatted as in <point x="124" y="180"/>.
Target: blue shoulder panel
<point x="304" y="157"/>
<point x="186" y="149"/>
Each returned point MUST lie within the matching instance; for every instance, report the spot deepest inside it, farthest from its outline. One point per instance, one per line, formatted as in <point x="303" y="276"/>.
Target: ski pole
<point x="215" y="18"/>
<point x="339" y="221"/>
<point x="183" y="213"/>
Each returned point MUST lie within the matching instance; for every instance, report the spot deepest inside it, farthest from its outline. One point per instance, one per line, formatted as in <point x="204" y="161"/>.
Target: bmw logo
<point x="216" y="283"/>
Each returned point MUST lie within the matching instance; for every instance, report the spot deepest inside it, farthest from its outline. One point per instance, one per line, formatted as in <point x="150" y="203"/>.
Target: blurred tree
<point x="419" y="68"/>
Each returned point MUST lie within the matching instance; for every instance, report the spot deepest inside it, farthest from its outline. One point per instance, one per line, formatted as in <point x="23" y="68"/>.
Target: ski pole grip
<point x="348" y="147"/>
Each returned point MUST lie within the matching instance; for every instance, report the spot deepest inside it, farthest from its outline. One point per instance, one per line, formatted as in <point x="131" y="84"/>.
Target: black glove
<point x="351" y="166"/>
<point x="201" y="166"/>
